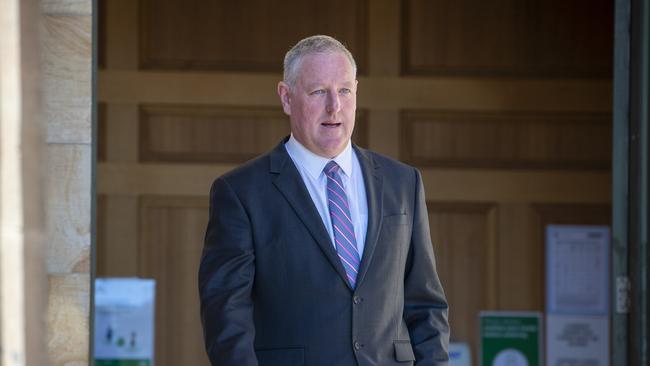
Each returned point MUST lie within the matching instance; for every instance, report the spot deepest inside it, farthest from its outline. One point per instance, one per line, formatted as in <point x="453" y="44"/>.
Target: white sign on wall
<point x="124" y="321"/>
<point x="577" y="295"/>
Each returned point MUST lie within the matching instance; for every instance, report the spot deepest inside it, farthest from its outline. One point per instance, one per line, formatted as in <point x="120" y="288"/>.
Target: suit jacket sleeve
<point x="425" y="306"/>
<point x="226" y="275"/>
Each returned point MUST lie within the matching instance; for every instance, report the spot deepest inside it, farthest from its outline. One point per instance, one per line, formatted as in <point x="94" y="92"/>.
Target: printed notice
<point x="577" y="294"/>
<point x="577" y="340"/>
<point x="577" y="270"/>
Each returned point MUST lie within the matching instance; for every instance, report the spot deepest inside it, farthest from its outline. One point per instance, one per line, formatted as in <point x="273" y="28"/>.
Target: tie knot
<point x="331" y="168"/>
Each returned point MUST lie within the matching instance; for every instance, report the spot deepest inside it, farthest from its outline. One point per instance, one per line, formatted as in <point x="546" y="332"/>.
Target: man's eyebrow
<point x="319" y="84"/>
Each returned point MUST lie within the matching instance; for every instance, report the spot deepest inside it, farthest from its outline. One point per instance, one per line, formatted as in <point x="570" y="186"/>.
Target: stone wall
<point x="67" y="59"/>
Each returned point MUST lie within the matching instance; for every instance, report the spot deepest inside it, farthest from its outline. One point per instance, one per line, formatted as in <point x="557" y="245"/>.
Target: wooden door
<point x="504" y="106"/>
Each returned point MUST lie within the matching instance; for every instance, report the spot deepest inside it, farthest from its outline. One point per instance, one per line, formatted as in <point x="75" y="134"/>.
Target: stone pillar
<point x="46" y="175"/>
<point x="67" y="87"/>
<point x="22" y="271"/>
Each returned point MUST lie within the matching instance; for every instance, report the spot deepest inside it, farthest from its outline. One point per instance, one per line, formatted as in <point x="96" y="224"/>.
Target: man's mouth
<point x="330" y="124"/>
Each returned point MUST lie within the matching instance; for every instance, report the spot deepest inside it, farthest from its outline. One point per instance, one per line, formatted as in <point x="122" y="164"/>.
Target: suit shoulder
<point x="247" y="173"/>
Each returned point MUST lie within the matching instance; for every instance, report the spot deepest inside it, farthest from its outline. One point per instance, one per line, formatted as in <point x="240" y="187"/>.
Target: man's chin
<point x="332" y="151"/>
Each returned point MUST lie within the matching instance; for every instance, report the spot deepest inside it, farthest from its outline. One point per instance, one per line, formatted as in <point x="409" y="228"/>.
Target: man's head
<point x="319" y="94"/>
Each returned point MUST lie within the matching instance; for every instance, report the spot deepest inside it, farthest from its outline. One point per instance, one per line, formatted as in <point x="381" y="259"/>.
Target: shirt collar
<point x="314" y="164"/>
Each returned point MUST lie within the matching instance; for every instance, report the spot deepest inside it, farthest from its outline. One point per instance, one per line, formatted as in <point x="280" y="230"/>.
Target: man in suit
<point x="318" y="253"/>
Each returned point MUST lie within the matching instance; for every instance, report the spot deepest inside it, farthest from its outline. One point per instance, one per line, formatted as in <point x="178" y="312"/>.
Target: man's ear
<point x="285" y="97"/>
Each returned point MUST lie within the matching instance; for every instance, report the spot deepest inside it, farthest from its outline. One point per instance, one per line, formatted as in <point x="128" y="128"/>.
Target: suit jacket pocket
<point x="398" y="219"/>
<point x="403" y="351"/>
<point x="293" y="356"/>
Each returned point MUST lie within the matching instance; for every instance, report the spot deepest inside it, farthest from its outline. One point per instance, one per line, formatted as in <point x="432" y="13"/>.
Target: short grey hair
<point x="308" y="46"/>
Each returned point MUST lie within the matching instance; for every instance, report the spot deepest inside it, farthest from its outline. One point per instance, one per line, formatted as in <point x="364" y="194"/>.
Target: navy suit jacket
<point x="273" y="290"/>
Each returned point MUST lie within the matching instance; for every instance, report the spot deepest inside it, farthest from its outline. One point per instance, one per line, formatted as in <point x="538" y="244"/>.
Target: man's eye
<point x="317" y="92"/>
<point x="345" y="91"/>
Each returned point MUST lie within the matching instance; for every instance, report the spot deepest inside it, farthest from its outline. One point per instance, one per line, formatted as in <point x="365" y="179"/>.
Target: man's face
<point x="322" y="103"/>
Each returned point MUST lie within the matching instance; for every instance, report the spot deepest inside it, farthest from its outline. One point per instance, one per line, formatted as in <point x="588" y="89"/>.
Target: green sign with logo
<point x="511" y="339"/>
<point x="122" y="363"/>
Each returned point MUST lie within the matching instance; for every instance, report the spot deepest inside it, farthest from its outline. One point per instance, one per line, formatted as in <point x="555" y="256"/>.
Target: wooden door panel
<point x="464" y="246"/>
<point x="525" y="140"/>
<point x="169" y="250"/>
<point x="247" y="35"/>
<point x="479" y="135"/>
<point x="507" y="37"/>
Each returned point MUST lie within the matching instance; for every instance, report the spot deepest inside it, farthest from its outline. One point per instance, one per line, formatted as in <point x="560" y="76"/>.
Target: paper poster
<point x="577" y="270"/>
<point x="124" y="321"/>
<point x="578" y="295"/>
<point x="577" y="340"/>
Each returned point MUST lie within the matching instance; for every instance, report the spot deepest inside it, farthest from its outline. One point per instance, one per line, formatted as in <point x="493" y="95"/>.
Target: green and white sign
<point x="511" y="339"/>
<point x="124" y="321"/>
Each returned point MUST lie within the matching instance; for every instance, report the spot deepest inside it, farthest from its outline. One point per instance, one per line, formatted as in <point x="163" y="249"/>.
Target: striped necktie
<point x="346" y="243"/>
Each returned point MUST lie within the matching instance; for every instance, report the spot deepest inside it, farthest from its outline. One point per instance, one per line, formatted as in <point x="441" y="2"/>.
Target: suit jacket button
<point x="357" y="345"/>
<point x="357" y="300"/>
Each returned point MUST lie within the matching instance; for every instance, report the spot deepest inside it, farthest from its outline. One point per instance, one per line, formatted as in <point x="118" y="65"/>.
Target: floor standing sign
<point x="124" y="321"/>
<point x="459" y="354"/>
<point x="577" y="295"/>
<point x="510" y="338"/>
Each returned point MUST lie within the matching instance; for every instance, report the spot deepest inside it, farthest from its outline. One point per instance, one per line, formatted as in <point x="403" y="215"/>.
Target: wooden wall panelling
<point x="361" y="134"/>
<point x="506" y="139"/>
<point x="500" y="185"/>
<point x="449" y="37"/>
<point x="507" y="37"/>
<point x="465" y="244"/>
<point x="521" y="258"/>
<point x="101" y="33"/>
<point x="440" y="184"/>
<point x="158" y="179"/>
<point x="208" y="134"/>
<point x="118" y="34"/>
<point x="170" y="133"/>
<point x="382" y="130"/>
<point x="220" y="35"/>
<point x="121" y="132"/>
<point x="182" y="133"/>
<point x="573" y="214"/>
<point x="249" y="89"/>
<point x="383" y="42"/>
<point x="169" y="250"/>
<point x="117" y="236"/>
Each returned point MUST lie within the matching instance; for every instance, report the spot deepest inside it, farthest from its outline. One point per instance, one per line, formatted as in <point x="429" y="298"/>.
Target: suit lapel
<point x="290" y="184"/>
<point x="374" y="183"/>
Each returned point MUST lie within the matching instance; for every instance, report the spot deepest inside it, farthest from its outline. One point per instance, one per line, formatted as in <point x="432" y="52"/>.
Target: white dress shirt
<point x="311" y="168"/>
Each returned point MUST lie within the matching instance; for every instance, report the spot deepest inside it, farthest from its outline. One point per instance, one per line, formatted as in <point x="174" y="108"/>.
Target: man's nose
<point x="333" y="103"/>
